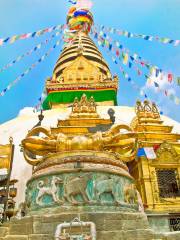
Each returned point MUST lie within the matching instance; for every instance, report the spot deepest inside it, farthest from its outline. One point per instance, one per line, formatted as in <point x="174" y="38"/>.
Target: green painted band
<point x="68" y="97"/>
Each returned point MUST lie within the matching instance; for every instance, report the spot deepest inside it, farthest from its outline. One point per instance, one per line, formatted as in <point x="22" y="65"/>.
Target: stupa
<point x="86" y="176"/>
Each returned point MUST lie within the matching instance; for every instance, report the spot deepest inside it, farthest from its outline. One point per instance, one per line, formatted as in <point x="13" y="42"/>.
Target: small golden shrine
<point x="157" y="166"/>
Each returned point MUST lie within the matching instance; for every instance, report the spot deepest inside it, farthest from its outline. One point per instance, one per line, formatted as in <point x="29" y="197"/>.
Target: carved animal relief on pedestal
<point x="51" y="190"/>
<point x="83" y="189"/>
<point x="106" y="185"/>
<point x="75" y="186"/>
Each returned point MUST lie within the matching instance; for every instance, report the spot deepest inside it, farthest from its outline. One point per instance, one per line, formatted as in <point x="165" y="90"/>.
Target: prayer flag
<point x="117" y="52"/>
<point x="157" y="72"/>
<point x="170" y="77"/>
<point x="156" y="84"/>
<point x="130" y="64"/>
<point x="3" y="171"/>
<point x="125" y="58"/>
<point x="72" y="1"/>
<point x="178" y="81"/>
<point x="150" y="154"/>
<point x="141" y="152"/>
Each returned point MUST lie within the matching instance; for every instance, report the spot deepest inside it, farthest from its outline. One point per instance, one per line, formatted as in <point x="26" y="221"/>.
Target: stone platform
<point x="114" y="226"/>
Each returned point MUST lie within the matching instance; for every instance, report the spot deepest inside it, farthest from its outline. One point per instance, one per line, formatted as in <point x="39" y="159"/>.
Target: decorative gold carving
<point x="84" y="108"/>
<point x="147" y="110"/>
<point x="167" y="154"/>
<point x="155" y="189"/>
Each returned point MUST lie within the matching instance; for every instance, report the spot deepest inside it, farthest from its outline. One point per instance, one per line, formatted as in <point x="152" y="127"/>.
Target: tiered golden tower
<point x="80" y="69"/>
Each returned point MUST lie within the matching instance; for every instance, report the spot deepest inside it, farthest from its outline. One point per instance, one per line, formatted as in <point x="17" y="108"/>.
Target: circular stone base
<point x="82" y="181"/>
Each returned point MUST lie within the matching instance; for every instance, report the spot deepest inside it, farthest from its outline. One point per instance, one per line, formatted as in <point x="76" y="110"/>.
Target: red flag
<point x="170" y="77"/>
<point x="155" y="147"/>
<point x="142" y="63"/>
<point x="117" y="52"/>
<point x="24" y="36"/>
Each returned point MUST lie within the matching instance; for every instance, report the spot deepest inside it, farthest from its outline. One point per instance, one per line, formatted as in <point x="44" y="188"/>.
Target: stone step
<point x="171" y="236"/>
<point x="20" y="229"/>
<point x="124" y="235"/>
<point x="16" y="237"/>
<point x="40" y="237"/>
<point x="3" y="231"/>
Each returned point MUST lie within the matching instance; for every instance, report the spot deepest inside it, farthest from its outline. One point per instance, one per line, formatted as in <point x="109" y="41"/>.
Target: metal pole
<point x="9" y="178"/>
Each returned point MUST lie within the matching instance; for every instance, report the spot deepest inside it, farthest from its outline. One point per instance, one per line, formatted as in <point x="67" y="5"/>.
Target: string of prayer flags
<point x="122" y="55"/>
<point x="164" y="40"/>
<point x="135" y="58"/>
<point x="13" y="39"/>
<point x="2" y="93"/>
<point x="38" y="106"/>
<point x="153" y="69"/>
<point x="28" y="53"/>
<point x="149" y="152"/>
<point x="126" y="58"/>
<point x="167" y="93"/>
<point x="127" y="77"/>
<point x="40" y="100"/>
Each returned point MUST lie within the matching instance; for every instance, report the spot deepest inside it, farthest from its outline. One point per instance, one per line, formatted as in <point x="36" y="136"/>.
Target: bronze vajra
<point x="119" y="139"/>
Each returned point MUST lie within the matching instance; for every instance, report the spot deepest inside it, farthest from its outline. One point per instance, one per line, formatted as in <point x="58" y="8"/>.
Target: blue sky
<point x="151" y="17"/>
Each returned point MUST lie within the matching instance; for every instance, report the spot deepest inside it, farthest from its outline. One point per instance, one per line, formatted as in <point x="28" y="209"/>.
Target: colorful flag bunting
<point x="13" y="39"/>
<point x="124" y="56"/>
<point x="2" y="93"/>
<point x="28" y="53"/>
<point x="142" y="36"/>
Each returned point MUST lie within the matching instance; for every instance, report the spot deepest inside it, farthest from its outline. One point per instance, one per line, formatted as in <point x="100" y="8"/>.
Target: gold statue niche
<point x="147" y="110"/>
<point x="84" y="108"/>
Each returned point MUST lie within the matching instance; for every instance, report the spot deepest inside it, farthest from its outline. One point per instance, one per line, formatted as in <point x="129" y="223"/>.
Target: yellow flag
<point x="4" y="162"/>
<point x="5" y="150"/>
<point x="125" y="58"/>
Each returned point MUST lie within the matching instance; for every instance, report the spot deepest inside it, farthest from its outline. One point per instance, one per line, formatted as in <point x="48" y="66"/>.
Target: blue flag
<point x="72" y="1"/>
<point x="141" y="152"/>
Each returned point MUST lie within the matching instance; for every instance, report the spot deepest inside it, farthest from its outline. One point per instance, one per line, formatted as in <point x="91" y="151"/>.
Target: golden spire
<point x="80" y="67"/>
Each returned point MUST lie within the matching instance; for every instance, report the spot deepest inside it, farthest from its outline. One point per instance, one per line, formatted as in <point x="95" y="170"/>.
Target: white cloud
<point x="161" y="80"/>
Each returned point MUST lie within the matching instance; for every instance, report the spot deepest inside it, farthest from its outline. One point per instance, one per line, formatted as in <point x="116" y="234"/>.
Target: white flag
<point x="150" y="154"/>
<point x="3" y="171"/>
